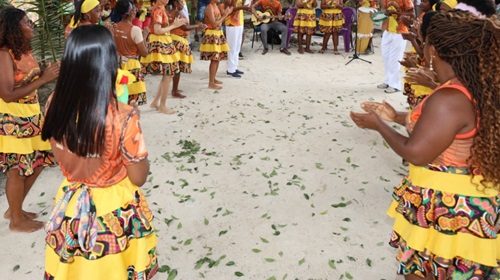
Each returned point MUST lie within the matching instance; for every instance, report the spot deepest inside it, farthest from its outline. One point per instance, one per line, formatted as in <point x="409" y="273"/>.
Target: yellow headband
<point x="89" y="5"/>
<point x="450" y="3"/>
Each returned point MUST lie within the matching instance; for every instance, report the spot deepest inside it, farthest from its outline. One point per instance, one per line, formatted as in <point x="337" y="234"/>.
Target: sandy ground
<point x="265" y="179"/>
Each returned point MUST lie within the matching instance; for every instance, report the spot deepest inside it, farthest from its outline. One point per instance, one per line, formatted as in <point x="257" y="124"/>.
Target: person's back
<point x="101" y="223"/>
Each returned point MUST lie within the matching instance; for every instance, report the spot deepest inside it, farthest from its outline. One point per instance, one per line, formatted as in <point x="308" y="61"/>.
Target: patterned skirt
<point x="305" y="21"/>
<point x="446" y="225"/>
<point x="162" y="58"/>
<point x="21" y="144"/>
<point x="331" y="20"/>
<point x="100" y="234"/>
<point x="214" y="45"/>
<point x="137" y="89"/>
<point x="184" y="52"/>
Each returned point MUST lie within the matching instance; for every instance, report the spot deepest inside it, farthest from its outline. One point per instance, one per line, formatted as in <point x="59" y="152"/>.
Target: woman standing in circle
<point x="446" y="211"/>
<point x="23" y="154"/>
<point x="101" y="225"/>
<point x="162" y="58"/>
<point x="130" y="44"/>
<point x="305" y="23"/>
<point x="214" y="46"/>
<point x="87" y="12"/>
<point x="330" y="23"/>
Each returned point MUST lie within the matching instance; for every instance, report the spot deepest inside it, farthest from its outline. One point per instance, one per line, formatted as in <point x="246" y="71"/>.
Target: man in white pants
<point x="234" y="35"/>
<point x="393" y="45"/>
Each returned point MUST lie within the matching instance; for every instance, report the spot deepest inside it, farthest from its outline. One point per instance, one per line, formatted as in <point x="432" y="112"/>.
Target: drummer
<point x="365" y="31"/>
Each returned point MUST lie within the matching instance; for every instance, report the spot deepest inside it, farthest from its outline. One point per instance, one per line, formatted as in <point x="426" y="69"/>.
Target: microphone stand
<point x="356" y="55"/>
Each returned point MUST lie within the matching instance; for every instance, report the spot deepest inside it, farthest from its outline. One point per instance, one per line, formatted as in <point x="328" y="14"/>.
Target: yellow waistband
<point x="19" y="110"/>
<point x="448" y="182"/>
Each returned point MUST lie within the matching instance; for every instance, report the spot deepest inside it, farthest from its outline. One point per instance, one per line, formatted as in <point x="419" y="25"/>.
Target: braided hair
<point x="472" y="47"/>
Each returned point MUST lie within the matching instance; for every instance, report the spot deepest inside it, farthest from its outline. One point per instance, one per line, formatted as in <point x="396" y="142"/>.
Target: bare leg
<point x="175" y="86"/>
<point x="214" y="65"/>
<point x="335" y="39"/>
<point x="326" y="37"/>
<point x="165" y="81"/>
<point x="308" y="44"/>
<point x="155" y="104"/>
<point x="300" y="42"/>
<point x="15" y="190"/>
<point x="28" y="183"/>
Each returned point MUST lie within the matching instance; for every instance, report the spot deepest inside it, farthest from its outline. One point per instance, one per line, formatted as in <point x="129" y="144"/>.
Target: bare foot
<point x="322" y="51"/>
<point x="214" y="86"/>
<point x="166" y="111"/>
<point x="217" y="82"/>
<point x="336" y="52"/>
<point x="29" y="215"/>
<point x="154" y="106"/>
<point x="308" y="51"/>
<point x="178" y="94"/>
<point x="301" y="51"/>
<point x="25" y="225"/>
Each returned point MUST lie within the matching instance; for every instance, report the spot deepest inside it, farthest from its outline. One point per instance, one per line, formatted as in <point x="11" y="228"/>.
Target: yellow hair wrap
<point x="72" y="24"/>
<point x="89" y="5"/>
<point x="450" y="3"/>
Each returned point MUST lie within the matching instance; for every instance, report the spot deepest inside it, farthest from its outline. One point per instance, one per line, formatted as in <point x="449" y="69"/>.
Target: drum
<point x="365" y="28"/>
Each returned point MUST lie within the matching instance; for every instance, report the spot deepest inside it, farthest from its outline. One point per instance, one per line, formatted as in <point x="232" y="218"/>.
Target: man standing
<point x="273" y="6"/>
<point x="234" y="35"/>
<point x="393" y="45"/>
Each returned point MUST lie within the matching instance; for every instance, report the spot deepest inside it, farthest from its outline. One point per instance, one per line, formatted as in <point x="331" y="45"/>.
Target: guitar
<point x="266" y="17"/>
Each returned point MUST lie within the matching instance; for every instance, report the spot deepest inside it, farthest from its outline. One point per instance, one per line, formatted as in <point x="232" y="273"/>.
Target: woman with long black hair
<point x="23" y="154"/>
<point x="101" y="226"/>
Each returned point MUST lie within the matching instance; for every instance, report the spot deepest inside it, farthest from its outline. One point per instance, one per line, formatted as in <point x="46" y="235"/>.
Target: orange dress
<point x="101" y="220"/>
<point x="21" y="145"/>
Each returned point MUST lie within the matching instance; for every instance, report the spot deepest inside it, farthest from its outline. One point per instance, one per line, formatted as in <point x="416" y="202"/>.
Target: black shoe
<point x="285" y="51"/>
<point x="240" y="55"/>
<point x="265" y="51"/>
<point x="239" y="72"/>
<point x="234" y="75"/>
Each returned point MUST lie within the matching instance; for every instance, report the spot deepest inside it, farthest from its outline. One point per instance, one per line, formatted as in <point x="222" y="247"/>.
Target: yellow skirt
<point x="364" y="32"/>
<point x="162" y="56"/>
<point x="137" y="89"/>
<point x="305" y="21"/>
<point x="124" y="243"/>
<point x="214" y="45"/>
<point x="331" y="20"/>
<point x="21" y="144"/>
<point x="184" y="52"/>
<point x="444" y="218"/>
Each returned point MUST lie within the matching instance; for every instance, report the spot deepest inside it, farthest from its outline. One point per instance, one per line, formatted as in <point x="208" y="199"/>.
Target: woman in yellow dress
<point x="129" y="40"/>
<point x="446" y="211"/>
<point x="305" y="23"/>
<point x="214" y="45"/>
<point x="87" y="12"/>
<point x="23" y="154"/>
<point x="330" y="23"/>
<point x="162" y="58"/>
<point x="101" y="225"/>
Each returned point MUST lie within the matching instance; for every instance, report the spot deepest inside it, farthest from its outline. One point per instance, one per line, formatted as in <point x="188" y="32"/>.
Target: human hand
<point x="384" y="110"/>
<point x="422" y="76"/>
<point x="409" y="36"/>
<point x="228" y="11"/>
<point x="409" y="61"/>
<point x="51" y="72"/>
<point x="368" y="120"/>
<point x="180" y="21"/>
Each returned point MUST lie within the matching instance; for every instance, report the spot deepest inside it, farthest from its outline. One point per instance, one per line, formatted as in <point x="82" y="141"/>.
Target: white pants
<point x="393" y="48"/>
<point x="234" y="35"/>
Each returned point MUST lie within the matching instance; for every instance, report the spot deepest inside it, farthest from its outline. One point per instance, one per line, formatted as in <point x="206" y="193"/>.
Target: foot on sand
<point x="29" y="215"/>
<point x="166" y="111"/>
<point x="25" y="225"/>
<point x="214" y="86"/>
<point x="217" y="82"/>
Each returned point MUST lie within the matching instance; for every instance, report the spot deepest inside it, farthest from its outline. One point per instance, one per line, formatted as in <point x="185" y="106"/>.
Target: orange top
<point x="274" y="6"/>
<point x="234" y="18"/>
<point x="125" y="45"/>
<point x="179" y="31"/>
<point x="158" y="16"/>
<point x="400" y="6"/>
<point x="458" y="153"/>
<point x="217" y="15"/>
<point x="124" y="146"/>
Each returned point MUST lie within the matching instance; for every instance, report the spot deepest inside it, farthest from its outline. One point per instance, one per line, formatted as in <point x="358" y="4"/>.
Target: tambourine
<point x="379" y="16"/>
